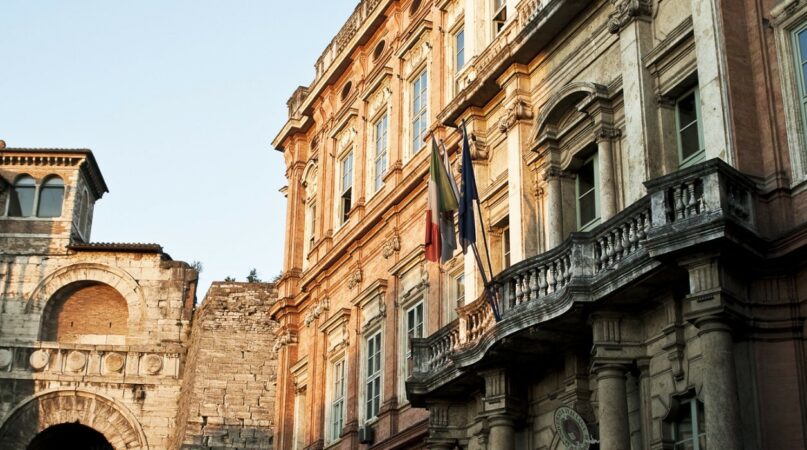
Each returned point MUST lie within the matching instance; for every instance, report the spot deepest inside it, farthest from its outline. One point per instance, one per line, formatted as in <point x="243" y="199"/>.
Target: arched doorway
<point x="69" y="436"/>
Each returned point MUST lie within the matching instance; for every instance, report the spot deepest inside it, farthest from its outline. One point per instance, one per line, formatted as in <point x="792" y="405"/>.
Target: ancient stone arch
<point x="84" y="272"/>
<point x="47" y="409"/>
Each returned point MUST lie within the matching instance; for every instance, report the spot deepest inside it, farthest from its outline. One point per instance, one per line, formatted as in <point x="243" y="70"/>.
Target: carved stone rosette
<point x="627" y="10"/>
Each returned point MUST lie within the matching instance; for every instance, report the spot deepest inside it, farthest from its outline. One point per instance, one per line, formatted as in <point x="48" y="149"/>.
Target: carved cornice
<point x="625" y="11"/>
<point x="284" y="338"/>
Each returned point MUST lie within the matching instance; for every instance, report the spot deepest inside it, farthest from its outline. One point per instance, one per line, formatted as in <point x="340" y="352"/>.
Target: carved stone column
<point x="499" y="408"/>
<point x="554" y="208"/>
<point x="613" y="406"/>
<point x="710" y="311"/>
<point x="606" y="173"/>
<point x="719" y="384"/>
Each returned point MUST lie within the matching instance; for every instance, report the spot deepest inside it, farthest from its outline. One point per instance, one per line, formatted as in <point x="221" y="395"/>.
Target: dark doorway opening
<point x="69" y="436"/>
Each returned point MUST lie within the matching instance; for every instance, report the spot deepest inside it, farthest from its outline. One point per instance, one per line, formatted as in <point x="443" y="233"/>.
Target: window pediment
<point x="371" y="303"/>
<point x="416" y="50"/>
<point x="336" y="331"/>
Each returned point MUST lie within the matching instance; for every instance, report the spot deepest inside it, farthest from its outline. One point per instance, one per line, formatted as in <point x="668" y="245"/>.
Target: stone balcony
<point x="84" y="362"/>
<point x="704" y="206"/>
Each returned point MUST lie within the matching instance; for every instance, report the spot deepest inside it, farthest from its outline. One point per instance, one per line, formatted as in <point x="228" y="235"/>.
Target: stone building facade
<point x="96" y="347"/>
<point x="641" y="167"/>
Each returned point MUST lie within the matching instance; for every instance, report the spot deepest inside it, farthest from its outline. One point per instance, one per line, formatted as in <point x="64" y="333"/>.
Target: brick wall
<point x="228" y="390"/>
<point x="98" y="309"/>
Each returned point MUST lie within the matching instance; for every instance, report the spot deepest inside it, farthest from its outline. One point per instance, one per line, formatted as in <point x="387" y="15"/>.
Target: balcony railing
<point x="681" y="209"/>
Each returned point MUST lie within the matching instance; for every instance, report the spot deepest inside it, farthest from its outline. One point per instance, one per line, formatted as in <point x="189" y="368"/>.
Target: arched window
<point x="22" y="197"/>
<point x="51" y="197"/>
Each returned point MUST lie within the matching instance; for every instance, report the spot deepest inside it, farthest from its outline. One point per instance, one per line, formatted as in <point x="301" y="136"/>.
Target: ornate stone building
<point x="96" y="348"/>
<point x="642" y="176"/>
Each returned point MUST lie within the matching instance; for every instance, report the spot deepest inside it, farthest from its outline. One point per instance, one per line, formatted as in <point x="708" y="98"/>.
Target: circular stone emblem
<point x="113" y="362"/>
<point x="152" y="364"/>
<point x="572" y="429"/>
<point x="5" y="358"/>
<point x="39" y="359"/>
<point x="76" y="361"/>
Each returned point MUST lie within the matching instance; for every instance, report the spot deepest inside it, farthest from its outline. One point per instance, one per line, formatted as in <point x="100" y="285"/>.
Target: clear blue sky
<point x="179" y="101"/>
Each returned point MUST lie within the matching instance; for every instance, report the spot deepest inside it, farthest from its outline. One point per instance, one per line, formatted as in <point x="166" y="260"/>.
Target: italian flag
<point x="442" y="204"/>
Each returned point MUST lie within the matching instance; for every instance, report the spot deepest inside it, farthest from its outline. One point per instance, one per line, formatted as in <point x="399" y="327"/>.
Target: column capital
<point x="611" y="369"/>
<point x="625" y="11"/>
<point x="606" y="133"/>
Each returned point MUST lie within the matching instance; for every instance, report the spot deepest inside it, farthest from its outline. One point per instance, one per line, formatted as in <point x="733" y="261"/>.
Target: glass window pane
<point x="802" y="38"/>
<point x="804" y="77"/>
<point x="687" y="112"/>
<point x="22" y="201"/>
<point x="585" y="178"/>
<point x="588" y="208"/>
<point x="690" y="141"/>
<point x="50" y="201"/>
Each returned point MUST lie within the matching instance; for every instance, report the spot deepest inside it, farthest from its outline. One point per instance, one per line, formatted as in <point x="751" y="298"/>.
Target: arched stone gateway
<point x="75" y="435"/>
<point x="32" y="420"/>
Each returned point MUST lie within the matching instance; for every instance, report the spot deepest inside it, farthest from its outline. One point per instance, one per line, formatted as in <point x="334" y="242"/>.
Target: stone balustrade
<point x="46" y="360"/>
<point x="685" y="204"/>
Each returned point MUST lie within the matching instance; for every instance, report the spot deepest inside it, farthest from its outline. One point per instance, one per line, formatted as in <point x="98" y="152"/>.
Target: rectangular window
<point x="420" y="104"/>
<point x="459" y="290"/>
<point x="380" y="166"/>
<point x="690" y="430"/>
<point x="459" y="50"/>
<point x="414" y="324"/>
<point x="312" y="225"/>
<point x="499" y="15"/>
<point x="298" y="434"/>
<point x="688" y="124"/>
<point x="506" y="248"/>
<point x="337" y="421"/>
<point x="346" y="188"/>
<point x="587" y="202"/>
<point x="800" y="46"/>
<point x="372" y="383"/>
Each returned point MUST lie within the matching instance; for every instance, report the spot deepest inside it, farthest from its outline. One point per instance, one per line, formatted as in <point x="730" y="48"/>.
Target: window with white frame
<point x="310" y="226"/>
<point x="457" y="294"/>
<point x="345" y="187"/>
<point x="298" y="433"/>
<point x="372" y="379"/>
<point x="380" y="157"/>
<point x="800" y="47"/>
<point x="459" y="56"/>
<point x="414" y="325"/>
<point x="688" y="127"/>
<point x="499" y="15"/>
<point x="506" y="247"/>
<point x="420" y="106"/>
<point x="689" y="427"/>
<point x="23" y="194"/>
<point x="587" y="193"/>
<point x="336" y="419"/>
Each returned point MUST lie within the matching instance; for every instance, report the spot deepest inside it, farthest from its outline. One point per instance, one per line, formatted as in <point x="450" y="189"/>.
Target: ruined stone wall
<point x="228" y="391"/>
<point x="135" y="370"/>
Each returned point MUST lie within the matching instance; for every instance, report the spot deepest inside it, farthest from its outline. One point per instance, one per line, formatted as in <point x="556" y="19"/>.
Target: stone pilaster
<point x="630" y="19"/>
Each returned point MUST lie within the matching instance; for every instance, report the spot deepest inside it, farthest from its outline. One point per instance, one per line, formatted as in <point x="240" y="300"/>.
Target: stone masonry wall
<point x="228" y="391"/>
